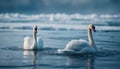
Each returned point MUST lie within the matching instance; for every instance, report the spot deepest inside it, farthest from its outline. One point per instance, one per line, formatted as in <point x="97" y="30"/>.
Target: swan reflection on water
<point x="32" y="55"/>
<point x="71" y="60"/>
<point x="78" y="61"/>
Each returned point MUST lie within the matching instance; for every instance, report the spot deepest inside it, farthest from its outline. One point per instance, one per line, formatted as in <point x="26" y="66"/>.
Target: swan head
<point x="35" y="28"/>
<point x="92" y="27"/>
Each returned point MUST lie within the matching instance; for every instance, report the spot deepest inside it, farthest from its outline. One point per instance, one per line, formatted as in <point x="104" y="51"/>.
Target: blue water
<point x="56" y="31"/>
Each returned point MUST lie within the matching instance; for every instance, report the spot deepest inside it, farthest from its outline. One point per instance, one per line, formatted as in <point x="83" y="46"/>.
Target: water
<point x="57" y="30"/>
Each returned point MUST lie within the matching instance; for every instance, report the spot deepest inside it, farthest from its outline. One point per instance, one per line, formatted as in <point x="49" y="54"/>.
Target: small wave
<point x="47" y="28"/>
<point x="109" y="30"/>
<point x="102" y="52"/>
<point x="5" y="27"/>
<point x="13" y="48"/>
<point x="16" y="27"/>
<point x="106" y="52"/>
<point x="63" y="38"/>
<point x="15" y="66"/>
<point x="65" y="28"/>
<point x="113" y="23"/>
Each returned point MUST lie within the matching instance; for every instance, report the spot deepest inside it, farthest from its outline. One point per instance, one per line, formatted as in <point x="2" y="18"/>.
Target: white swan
<point x="82" y="46"/>
<point x="33" y="43"/>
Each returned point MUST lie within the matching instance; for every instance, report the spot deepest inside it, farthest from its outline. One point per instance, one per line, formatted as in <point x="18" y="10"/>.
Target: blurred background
<point x="60" y="6"/>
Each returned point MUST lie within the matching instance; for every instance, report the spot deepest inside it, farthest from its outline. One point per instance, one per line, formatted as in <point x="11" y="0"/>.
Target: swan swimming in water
<point x="33" y="43"/>
<point x="82" y="46"/>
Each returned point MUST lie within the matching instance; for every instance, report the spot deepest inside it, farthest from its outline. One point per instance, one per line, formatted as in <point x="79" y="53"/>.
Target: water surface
<point x="56" y="33"/>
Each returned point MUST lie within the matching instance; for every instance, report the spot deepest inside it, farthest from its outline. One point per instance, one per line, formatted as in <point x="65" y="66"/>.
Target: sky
<point x="60" y="6"/>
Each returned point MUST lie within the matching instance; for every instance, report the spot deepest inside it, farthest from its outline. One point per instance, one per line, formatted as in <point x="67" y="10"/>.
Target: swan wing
<point x="77" y="45"/>
<point x="39" y="43"/>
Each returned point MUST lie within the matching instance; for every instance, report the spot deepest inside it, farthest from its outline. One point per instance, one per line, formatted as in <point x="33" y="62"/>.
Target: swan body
<point x="77" y="45"/>
<point x="82" y="46"/>
<point x="33" y="43"/>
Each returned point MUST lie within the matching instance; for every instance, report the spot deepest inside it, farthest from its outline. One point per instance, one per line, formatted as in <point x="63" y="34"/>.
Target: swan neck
<point x="90" y="38"/>
<point x="34" y="36"/>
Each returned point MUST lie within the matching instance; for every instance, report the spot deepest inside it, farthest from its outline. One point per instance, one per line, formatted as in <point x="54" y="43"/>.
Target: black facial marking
<point x="36" y="28"/>
<point x="93" y="27"/>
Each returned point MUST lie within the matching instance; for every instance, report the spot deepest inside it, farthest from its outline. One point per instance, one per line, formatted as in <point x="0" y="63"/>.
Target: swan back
<point x="77" y="45"/>
<point x="39" y="43"/>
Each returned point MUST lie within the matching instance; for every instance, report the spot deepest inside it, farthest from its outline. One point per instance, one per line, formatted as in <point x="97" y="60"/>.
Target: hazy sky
<point x="60" y="6"/>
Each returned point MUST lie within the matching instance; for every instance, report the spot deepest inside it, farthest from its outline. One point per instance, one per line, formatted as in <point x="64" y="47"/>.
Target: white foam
<point x="47" y="26"/>
<point x="59" y="21"/>
<point x="56" y="17"/>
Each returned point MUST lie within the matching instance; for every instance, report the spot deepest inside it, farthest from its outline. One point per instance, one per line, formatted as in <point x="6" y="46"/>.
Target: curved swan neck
<point x="34" y="36"/>
<point x="35" y="33"/>
<point x="90" y="38"/>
